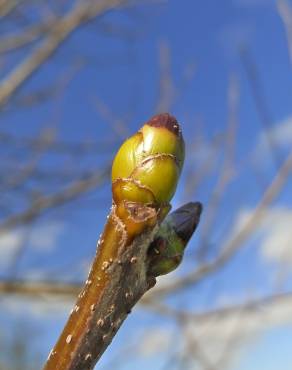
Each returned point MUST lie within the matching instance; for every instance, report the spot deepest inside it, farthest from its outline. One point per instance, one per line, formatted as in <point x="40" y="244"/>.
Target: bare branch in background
<point x="285" y="12"/>
<point x="15" y="179"/>
<point x="167" y="90"/>
<point x="39" y="289"/>
<point x="24" y="38"/>
<point x="237" y="241"/>
<point x="8" y="6"/>
<point x="31" y="187"/>
<point x="81" y="13"/>
<point x="117" y="124"/>
<point x="52" y="91"/>
<point x="45" y="203"/>
<point x="260" y="102"/>
<point x="226" y="172"/>
<point x="196" y="176"/>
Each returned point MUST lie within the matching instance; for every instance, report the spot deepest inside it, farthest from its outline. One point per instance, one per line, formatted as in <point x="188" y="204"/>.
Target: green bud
<point x="128" y="157"/>
<point x="147" y="166"/>
<point x="160" y="174"/>
<point x="166" y="251"/>
<point x="162" y="134"/>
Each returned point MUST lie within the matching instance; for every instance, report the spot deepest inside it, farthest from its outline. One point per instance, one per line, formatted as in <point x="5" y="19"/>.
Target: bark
<point x="117" y="280"/>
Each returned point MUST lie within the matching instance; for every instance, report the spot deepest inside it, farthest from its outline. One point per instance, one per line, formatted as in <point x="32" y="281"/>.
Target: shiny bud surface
<point x="147" y="166"/>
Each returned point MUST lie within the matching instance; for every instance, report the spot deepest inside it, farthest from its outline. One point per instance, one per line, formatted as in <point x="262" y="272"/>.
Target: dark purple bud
<point x="186" y="219"/>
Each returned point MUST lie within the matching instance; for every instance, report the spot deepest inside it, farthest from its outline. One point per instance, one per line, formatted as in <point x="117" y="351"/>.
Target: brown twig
<point x="123" y="270"/>
<point x="117" y="280"/>
<point x="47" y="202"/>
<point x="8" y="6"/>
<point x="39" y="288"/>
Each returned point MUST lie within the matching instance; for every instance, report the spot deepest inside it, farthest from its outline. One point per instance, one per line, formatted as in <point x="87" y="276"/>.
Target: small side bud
<point x="166" y="251"/>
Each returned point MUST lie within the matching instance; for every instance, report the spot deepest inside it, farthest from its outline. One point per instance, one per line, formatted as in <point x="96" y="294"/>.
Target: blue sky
<point x="121" y="74"/>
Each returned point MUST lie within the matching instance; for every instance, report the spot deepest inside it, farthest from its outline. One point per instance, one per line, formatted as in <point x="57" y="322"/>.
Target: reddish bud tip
<point x="167" y="121"/>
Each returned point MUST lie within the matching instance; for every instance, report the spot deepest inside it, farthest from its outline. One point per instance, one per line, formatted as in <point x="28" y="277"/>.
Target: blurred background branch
<point x="76" y="77"/>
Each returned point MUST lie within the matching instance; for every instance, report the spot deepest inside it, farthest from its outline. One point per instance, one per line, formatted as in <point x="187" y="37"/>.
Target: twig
<point x="111" y="290"/>
<point x="25" y="37"/>
<point x="226" y="172"/>
<point x="260" y="103"/>
<point x="285" y="12"/>
<point x="47" y="202"/>
<point x="39" y="288"/>
<point x="8" y="6"/>
<point x="123" y="270"/>
<point x="251" y="305"/>
<point x="83" y="12"/>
